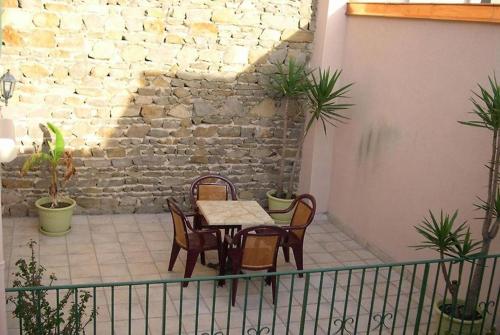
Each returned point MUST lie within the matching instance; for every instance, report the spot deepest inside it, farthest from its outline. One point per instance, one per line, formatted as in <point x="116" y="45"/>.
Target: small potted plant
<point x="54" y="212"/>
<point x="441" y="235"/>
<point x="291" y="83"/>
<point x="36" y="309"/>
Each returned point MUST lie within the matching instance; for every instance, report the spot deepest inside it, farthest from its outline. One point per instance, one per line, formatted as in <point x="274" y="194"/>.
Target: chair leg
<point x="202" y="258"/>
<point x="286" y="253"/>
<point x="298" y="255"/>
<point x="173" y="255"/>
<point x="236" y="270"/>
<point x="192" y="256"/>
<point x="273" y="287"/>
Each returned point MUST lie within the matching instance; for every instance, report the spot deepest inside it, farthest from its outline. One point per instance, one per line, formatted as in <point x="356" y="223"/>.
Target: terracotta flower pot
<point x="55" y="221"/>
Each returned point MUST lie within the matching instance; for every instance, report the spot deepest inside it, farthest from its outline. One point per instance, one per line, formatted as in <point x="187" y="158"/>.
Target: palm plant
<point x="439" y="234"/>
<point x="293" y="82"/>
<point x="52" y="154"/>
<point x="289" y="83"/>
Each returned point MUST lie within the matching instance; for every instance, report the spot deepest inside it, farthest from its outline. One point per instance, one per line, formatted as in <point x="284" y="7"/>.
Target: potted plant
<point x="35" y="308"/>
<point x="441" y="236"/>
<point x="291" y="83"/>
<point x="54" y="212"/>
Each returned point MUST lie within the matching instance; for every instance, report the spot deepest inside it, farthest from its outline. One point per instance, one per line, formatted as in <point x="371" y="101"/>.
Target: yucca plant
<point x="52" y="154"/>
<point x="440" y="234"/>
<point x="292" y="82"/>
<point x="288" y="83"/>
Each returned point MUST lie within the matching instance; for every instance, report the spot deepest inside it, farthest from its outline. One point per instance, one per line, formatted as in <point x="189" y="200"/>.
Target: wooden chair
<point x="303" y="215"/>
<point x="193" y="241"/>
<point x="209" y="187"/>
<point x="255" y="249"/>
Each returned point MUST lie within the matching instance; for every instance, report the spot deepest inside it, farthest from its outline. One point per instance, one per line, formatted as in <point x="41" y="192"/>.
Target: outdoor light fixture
<point x="8" y="151"/>
<point x="8" y="83"/>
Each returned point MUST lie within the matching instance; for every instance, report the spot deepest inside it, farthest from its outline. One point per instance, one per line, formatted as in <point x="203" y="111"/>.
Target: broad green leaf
<point x="58" y="148"/>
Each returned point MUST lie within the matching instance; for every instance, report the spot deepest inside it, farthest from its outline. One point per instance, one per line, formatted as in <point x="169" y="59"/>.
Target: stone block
<point x="297" y="35"/>
<point x="205" y="131"/>
<point x="229" y="131"/>
<point x="34" y="71"/>
<point x="102" y="50"/>
<point x="134" y="53"/>
<point x="236" y="55"/>
<point x="270" y="35"/>
<point x="180" y="111"/>
<point x="265" y="109"/>
<point x="115" y="152"/>
<point x="203" y="108"/>
<point x="174" y="39"/>
<point x="198" y="15"/>
<point x="224" y="15"/>
<point x="46" y="20"/>
<point x="57" y="7"/>
<point x="114" y="23"/>
<point x="12" y="37"/>
<point x="71" y="22"/>
<point x="152" y="112"/>
<point x="203" y="29"/>
<point x="138" y="130"/>
<point x="42" y="39"/>
<point x="17" y="19"/>
<point x="154" y="26"/>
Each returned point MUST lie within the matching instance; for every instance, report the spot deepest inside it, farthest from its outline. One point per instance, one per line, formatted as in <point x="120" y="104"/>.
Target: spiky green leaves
<point x="324" y="97"/>
<point x="486" y="106"/>
<point x="441" y="235"/>
<point x="290" y="80"/>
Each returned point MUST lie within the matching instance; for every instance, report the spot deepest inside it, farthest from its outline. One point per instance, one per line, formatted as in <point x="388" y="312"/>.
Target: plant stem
<point x="298" y="154"/>
<point x="53" y="184"/>
<point x="475" y="287"/>
<point x="281" y="176"/>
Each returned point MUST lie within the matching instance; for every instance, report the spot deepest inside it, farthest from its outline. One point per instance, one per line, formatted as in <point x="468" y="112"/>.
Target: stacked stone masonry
<point x="149" y="94"/>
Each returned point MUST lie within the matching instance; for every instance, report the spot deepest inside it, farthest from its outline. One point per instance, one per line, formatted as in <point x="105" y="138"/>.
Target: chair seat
<point x="202" y="242"/>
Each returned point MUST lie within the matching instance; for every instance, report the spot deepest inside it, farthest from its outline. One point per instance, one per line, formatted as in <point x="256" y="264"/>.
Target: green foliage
<point x="441" y="235"/>
<point x="35" y="309"/>
<point x="53" y="155"/>
<point x="324" y="99"/>
<point x="290" y="80"/>
<point x="486" y="106"/>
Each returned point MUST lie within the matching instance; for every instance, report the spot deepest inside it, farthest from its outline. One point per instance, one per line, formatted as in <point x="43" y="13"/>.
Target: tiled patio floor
<point x="113" y="248"/>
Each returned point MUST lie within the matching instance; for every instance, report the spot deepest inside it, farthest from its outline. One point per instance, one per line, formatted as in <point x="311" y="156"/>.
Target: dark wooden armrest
<point x="189" y="214"/>
<point x="283" y="211"/>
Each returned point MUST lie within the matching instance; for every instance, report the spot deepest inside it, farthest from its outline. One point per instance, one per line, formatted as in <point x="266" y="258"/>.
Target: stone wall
<point x="149" y="94"/>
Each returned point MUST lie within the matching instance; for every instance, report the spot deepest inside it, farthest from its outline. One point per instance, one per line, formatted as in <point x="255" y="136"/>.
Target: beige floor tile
<point x="89" y="270"/>
<point x="130" y="237"/>
<point x="137" y="269"/>
<point x="57" y="249"/>
<point x="110" y="258"/>
<point x="82" y="260"/>
<point x="109" y="270"/>
<point x="104" y="238"/>
<point x="80" y="248"/>
<point x="139" y="257"/>
<point x="107" y="247"/>
<point x="130" y="227"/>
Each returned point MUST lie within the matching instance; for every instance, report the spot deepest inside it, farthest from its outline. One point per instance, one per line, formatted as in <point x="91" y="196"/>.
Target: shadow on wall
<point x="144" y="119"/>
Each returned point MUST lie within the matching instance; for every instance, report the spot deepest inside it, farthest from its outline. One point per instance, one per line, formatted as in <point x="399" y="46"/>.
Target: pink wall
<point x="403" y="151"/>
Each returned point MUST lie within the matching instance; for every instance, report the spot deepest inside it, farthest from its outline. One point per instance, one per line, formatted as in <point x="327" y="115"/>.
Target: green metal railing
<point x="393" y="298"/>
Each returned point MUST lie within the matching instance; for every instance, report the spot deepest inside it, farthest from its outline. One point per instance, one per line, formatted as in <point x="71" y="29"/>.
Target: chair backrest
<point x="212" y="187"/>
<point x="303" y="213"/>
<point x="180" y="224"/>
<point x="259" y="246"/>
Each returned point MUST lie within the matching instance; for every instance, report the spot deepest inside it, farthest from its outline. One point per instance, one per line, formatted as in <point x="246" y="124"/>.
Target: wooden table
<point x="227" y="214"/>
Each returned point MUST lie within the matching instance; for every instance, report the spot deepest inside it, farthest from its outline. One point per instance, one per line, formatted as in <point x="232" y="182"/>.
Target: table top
<point x="232" y="213"/>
